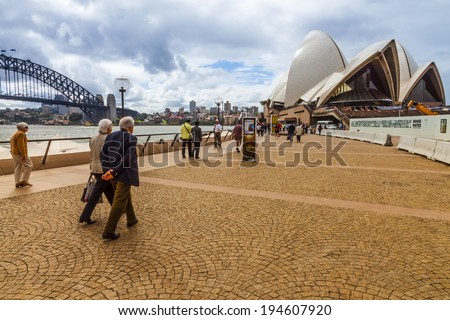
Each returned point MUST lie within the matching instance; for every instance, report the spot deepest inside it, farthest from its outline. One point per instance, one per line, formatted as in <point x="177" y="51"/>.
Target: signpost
<point x="249" y="139"/>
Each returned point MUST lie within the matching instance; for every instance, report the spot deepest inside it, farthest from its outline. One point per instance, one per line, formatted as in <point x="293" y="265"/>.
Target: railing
<point x="343" y="116"/>
<point x="175" y="139"/>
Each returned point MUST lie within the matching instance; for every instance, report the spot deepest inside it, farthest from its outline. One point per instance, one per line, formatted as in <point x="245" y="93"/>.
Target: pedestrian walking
<point x="186" y="138"/>
<point x="101" y="186"/>
<point x="19" y="152"/>
<point x="237" y="135"/>
<point x="217" y="134"/>
<point x="119" y="161"/>
<point x="298" y="131"/>
<point x="290" y="131"/>
<point x="197" y="139"/>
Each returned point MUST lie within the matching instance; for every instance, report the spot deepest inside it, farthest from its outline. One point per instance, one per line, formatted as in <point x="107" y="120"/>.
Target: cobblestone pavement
<point x="374" y="224"/>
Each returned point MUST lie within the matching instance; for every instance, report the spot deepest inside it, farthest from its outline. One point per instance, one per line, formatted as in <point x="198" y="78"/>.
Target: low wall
<point x="52" y="161"/>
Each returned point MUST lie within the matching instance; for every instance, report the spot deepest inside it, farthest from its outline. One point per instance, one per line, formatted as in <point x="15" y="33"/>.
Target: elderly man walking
<point x="119" y="161"/>
<point x="19" y="151"/>
<point x="217" y="134"/>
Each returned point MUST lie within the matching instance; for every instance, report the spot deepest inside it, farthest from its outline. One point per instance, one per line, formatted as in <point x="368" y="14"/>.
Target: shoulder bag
<point x="87" y="191"/>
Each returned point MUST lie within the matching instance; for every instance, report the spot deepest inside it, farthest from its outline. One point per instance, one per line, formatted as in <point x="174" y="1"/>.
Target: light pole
<point x="122" y="84"/>
<point x="218" y="102"/>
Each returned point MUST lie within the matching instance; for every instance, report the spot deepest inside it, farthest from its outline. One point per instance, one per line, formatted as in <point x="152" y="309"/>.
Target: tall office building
<point x="192" y="107"/>
<point x="111" y="104"/>
<point x="227" y="107"/>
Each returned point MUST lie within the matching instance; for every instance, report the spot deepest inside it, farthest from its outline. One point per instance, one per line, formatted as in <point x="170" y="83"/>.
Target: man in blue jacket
<point x="119" y="161"/>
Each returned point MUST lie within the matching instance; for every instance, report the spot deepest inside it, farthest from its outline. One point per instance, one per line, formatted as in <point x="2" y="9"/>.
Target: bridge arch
<point x="28" y="81"/>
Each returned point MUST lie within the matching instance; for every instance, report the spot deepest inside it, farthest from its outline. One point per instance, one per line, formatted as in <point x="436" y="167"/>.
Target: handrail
<point x="50" y="140"/>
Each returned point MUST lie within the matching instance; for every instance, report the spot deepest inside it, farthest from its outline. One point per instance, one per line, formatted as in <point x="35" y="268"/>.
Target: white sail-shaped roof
<point x="408" y="87"/>
<point x="360" y="60"/>
<point x="317" y="58"/>
<point x="407" y="64"/>
<point x="279" y="92"/>
<point x="319" y="69"/>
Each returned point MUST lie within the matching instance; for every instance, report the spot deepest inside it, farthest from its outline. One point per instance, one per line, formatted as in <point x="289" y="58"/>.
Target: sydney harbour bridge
<point x="24" y="80"/>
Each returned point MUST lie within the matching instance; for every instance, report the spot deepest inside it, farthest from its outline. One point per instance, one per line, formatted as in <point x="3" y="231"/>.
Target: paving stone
<point x="212" y="233"/>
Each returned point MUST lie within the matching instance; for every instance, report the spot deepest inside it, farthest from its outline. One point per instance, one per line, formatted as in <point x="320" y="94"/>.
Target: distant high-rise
<point x="227" y="107"/>
<point x="192" y="107"/>
<point x="111" y="104"/>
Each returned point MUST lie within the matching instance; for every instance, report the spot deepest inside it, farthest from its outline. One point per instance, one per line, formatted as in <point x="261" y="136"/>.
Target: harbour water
<point x="40" y="132"/>
<point x="47" y="132"/>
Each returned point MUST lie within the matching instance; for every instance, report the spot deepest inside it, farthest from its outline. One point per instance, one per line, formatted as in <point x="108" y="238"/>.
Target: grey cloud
<point x="171" y="40"/>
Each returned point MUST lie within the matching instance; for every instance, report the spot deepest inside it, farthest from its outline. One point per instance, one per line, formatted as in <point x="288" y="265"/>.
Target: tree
<point x="143" y="116"/>
<point x="75" y="117"/>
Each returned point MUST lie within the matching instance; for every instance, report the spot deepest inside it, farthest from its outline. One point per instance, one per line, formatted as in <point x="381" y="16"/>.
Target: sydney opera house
<point x="378" y="81"/>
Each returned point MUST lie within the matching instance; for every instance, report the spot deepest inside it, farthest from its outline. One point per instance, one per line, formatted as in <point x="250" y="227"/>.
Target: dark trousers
<point x="197" y="149"/>
<point x="187" y="142"/>
<point x="101" y="186"/>
<point x="217" y="139"/>
<point x="290" y="136"/>
<point x="298" y="138"/>
<point x="122" y="203"/>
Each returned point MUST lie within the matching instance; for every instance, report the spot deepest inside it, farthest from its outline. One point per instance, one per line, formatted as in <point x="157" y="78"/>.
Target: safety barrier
<point x="432" y="149"/>
<point x="424" y="147"/>
<point x="406" y="143"/>
<point x="368" y="137"/>
<point x="382" y="138"/>
<point x="442" y="152"/>
<point x="357" y="136"/>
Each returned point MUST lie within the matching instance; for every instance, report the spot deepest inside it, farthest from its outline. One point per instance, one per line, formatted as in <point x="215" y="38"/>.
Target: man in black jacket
<point x="197" y="136"/>
<point x="119" y="161"/>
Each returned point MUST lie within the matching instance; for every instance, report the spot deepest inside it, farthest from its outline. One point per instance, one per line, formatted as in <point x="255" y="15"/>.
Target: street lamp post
<point x="218" y="102"/>
<point x="122" y="84"/>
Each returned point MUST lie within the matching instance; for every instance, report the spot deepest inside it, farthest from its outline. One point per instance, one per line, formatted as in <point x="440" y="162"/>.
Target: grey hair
<point x="126" y="123"/>
<point x="103" y="125"/>
<point x="21" y="125"/>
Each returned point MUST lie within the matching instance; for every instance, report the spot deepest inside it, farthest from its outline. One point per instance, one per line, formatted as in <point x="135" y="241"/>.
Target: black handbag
<point x="87" y="191"/>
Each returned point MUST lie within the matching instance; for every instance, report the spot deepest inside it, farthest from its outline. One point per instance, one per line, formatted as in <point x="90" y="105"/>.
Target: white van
<point x="326" y="124"/>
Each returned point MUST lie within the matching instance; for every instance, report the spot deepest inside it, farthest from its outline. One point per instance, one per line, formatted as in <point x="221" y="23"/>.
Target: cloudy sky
<point x="175" y="51"/>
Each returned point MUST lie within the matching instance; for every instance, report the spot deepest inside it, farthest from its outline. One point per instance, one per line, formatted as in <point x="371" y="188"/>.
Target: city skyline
<point x="177" y="51"/>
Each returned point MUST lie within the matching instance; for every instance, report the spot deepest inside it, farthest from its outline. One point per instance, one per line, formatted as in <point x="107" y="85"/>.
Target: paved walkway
<point x="309" y="220"/>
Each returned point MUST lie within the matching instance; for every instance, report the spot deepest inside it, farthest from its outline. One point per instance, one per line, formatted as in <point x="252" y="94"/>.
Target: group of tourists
<point x="193" y="135"/>
<point x="113" y="164"/>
